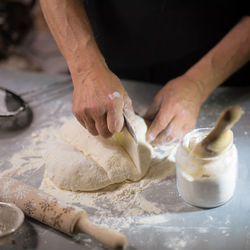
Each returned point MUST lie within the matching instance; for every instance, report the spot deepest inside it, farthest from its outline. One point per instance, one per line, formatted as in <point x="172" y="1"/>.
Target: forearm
<point x="71" y="29"/>
<point x="93" y="82"/>
<point x="229" y="55"/>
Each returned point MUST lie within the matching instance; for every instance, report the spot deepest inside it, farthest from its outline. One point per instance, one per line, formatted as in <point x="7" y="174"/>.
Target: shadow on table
<point x="167" y="198"/>
<point x="24" y="238"/>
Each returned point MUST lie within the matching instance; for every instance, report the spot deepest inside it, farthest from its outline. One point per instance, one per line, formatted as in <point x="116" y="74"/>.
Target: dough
<point x="82" y="162"/>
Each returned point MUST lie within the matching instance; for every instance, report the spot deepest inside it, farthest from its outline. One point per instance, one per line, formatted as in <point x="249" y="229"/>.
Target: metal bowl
<point x="11" y="218"/>
<point x="15" y="113"/>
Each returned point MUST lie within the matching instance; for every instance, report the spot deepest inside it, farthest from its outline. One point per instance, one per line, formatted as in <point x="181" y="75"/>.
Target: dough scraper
<point x="128" y="140"/>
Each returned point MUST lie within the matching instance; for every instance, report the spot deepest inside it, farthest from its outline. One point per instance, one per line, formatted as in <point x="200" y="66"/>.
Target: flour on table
<point x="116" y="205"/>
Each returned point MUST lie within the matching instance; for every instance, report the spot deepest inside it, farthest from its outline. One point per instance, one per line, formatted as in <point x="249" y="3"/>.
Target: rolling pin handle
<point x="109" y="238"/>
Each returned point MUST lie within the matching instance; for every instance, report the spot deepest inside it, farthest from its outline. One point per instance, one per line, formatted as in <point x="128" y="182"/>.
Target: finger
<point x="83" y="123"/>
<point x="80" y="120"/>
<point x="176" y="129"/>
<point x="78" y="115"/>
<point x="187" y="128"/>
<point x="163" y="138"/>
<point x="171" y="133"/>
<point x="152" y="110"/>
<point x="90" y="125"/>
<point x="160" y="122"/>
<point x="102" y="127"/>
<point x="115" y="120"/>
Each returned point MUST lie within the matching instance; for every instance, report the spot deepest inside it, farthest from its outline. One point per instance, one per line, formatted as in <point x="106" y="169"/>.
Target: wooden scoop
<point x="221" y="137"/>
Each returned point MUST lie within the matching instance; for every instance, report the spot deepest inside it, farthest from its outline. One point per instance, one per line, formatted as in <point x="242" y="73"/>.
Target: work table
<point x="181" y="226"/>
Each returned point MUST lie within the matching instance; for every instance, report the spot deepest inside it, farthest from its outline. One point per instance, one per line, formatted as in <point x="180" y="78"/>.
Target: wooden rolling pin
<point x="61" y="216"/>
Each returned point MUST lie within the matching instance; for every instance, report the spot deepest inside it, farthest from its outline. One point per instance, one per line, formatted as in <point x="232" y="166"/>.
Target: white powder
<point x="114" y="95"/>
<point x="116" y="206"/>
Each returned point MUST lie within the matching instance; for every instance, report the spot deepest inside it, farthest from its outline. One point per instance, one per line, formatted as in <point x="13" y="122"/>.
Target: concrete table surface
<point x="181" y="226"/>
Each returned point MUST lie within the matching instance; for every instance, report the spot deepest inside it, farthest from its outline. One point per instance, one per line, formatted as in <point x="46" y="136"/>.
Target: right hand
<point x="98" y="102"/>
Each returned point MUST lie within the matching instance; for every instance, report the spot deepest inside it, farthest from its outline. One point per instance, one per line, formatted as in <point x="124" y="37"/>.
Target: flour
<point x="116" y="206"/>
<point x="124" y="199"/>
<point x="114" y="95"/>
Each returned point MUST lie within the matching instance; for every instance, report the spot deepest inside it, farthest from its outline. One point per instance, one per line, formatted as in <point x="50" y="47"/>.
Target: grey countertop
<point x="180" y="226"/>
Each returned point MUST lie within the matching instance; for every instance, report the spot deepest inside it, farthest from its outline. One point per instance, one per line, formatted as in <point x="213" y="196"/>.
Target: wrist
<point x="198" y="85"/>
<point x="87" y="62"/>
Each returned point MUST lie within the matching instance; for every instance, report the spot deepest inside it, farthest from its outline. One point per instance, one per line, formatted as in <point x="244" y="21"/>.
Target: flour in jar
<point x="205" y="182"/>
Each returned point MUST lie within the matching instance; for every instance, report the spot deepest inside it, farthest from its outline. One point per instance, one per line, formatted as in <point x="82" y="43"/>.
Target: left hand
<point x="174" y="110"/>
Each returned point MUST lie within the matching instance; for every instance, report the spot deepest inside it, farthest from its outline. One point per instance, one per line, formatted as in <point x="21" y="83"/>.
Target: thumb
<point x="115" y="119"/>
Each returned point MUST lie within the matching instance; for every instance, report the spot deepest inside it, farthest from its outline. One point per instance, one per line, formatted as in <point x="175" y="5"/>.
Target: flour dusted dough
<point x="82" y="162"/>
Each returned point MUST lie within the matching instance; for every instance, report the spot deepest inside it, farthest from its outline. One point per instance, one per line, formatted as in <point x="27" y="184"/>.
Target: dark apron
<point x="157" y="40"/>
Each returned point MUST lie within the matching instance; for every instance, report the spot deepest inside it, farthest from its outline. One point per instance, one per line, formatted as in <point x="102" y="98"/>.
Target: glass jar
<point x="205" y="182"/>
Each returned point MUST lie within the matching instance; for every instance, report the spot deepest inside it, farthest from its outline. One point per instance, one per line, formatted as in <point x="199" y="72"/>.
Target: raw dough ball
<point x="82" y="162"/>
<point x="72" y="170"/>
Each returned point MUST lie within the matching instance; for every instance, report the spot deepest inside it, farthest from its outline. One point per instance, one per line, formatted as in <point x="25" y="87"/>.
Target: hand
<point x="98" y="102"/>
<point x="174" y="110"/>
